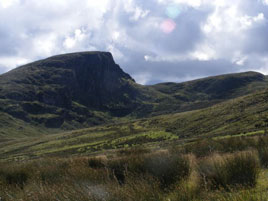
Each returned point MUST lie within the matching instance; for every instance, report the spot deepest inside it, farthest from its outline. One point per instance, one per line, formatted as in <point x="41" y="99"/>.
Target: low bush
<point x="207" y="147"/>
<point x="136" y="189"/>
<point x="117" y="170"/>
<point x="242" y="169"/>
<point x="229" y="171"/>
<point x="96" y="163"/>
<point x="245" y="195"/>
<point x="133" y="164"/>
<point x="168" y="169"/>
<point x="16" y="176"/>
<point x="262" y="147"/>
<point x="263" y="155"/>
<point x="133" y="151"/>
<point x="204" y="147"/>
<point x="51" y="170"/>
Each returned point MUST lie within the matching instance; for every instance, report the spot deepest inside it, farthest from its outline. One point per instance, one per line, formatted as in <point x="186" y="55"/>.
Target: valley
<point x="78" y="121"/>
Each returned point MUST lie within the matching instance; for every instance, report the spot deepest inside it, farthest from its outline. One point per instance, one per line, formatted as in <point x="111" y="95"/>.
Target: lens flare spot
<point x="168" y="26"/>
<point x="173" y="11"/>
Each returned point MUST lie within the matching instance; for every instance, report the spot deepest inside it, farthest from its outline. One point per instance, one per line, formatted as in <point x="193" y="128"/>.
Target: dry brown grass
<point x="157" y="176"/>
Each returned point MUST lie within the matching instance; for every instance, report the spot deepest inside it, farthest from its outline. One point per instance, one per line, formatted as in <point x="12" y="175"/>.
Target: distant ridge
<point x="82" y="89"/>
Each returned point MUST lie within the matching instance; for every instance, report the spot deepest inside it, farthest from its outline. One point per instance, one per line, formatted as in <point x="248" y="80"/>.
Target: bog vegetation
<point x="231" y="169"/>
<point x="205" y="139"/>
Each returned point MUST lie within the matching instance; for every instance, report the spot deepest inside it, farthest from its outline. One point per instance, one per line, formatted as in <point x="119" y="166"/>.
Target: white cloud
<point x="230" y="20"/>
<point x="143" y="78"/>
<point x="8" y="3"/>
<point x="226" y="31"/>
<point x="202" y="56"/>
<point x="241" y="61"/>
<point x="11" y="62"/>
<point x="115" y="35"/>
<point x="191" y="3"/>
<point x="203" y="32"/>
<point x="166" y="58"/>
<point x="135" y="11"/>
<point x="117" y="54"/>
<point x="71" y="41"/>
<point x="45" y="44"/>
<point x="101" y="5"/>
<point x="265" y="2"/>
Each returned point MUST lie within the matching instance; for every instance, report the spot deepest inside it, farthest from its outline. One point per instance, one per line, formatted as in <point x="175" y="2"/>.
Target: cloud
<point x="153" y="40"/>
<point x="72" y="41"/>
<point x="8" y="3"/>
<point x="10" y="62"/>
<point x="265" y="2"/>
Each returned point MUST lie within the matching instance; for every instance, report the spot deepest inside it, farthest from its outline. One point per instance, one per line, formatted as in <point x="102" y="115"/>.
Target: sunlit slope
<point x="206" y="92"/>
<point x="234" y="117"/>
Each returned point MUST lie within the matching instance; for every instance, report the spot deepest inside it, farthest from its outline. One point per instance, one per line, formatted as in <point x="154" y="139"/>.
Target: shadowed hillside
<point x="88" y="88"/>
<point x="68" y="90"/>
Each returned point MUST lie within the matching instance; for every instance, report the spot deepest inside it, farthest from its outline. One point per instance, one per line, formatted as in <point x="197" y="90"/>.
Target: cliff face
<point x="92" y="79"/>
<point x="72" y="83"/>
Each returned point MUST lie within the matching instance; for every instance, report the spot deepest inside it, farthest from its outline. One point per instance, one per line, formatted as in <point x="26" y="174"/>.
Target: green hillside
<point x="241" y="116"/>
<point x="80" y="90"/>
<point x="76" y="127"/>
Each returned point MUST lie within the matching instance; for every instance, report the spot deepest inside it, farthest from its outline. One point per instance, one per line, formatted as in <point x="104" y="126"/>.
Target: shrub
<point x="239" y="169"/>
<point x="168" y="169"/>
<point x="52" y="170"/>
<point x="212" y="172"/>
<point x="204" y="147"/>
<point x="207" y="147"/>
<point x="133" y="164"/>
<point x="185" y="194"/>
<point x="15" y="176"/>
<point x="96" y="163"/>
<point x="242" y="169"/>
<point x="263" y="155"/>
<point x="133" y="151"/>
<point x="118" y="169"/>
<point x="262" y="146"/>
<point x="136" y="189"/>
<point x="245" y="195"/>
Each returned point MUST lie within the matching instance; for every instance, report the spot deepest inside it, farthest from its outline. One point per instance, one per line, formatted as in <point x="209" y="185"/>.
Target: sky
<point x="152" y="40"/>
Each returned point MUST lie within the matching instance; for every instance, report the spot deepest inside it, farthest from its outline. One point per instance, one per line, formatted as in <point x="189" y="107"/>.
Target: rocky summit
<point x="68" y="87"/>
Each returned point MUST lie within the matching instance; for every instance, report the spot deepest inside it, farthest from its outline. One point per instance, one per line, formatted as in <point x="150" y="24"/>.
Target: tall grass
<point x="237" y="170"/>
<point x="168" y="169"/>
<point x="216" y="174"/>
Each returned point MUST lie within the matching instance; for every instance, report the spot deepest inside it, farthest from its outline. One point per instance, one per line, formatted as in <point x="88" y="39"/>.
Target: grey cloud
<point x="187" y="32"/>
<point x="51" y="22"/>
<point x="182" y="39"/>
<point x="8" y="44"/>
<point x="175" y="71"/>
<point x="257" y="40"/>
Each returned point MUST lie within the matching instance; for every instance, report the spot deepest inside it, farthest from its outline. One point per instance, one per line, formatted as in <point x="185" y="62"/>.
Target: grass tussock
<point x="168" y="169"/>
<point x="229" y="171"/>
<point x="215" y="174"/>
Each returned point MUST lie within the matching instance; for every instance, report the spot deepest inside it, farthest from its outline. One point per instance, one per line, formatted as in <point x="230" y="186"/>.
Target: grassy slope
<point x="166" y="98"/>
<point x="46" y="94"/>
<point x="234" y="117"/>
<point x="15" y="127"/>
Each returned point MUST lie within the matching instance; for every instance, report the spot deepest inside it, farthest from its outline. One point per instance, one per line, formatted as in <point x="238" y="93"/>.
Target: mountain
<point x="206" y="92"/>
<point x="83" y="89"/>
<point x="73" y="89"/>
